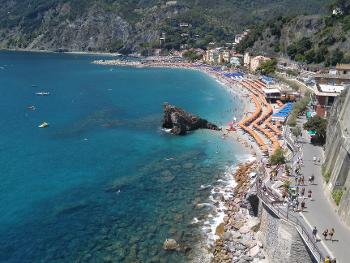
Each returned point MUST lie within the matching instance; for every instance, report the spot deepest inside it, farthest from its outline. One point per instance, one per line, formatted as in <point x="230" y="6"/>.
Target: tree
<point x="268" y="67"/>
<point x="296" y="131"/>
<point x="319" y="125"/>
<point x="298" y="48"/>
<point x="277" y="157"/>
<point x="191" y="55"/>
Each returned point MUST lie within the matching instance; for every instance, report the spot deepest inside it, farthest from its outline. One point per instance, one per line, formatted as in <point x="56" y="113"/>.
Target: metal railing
<point x="281" y="213"/>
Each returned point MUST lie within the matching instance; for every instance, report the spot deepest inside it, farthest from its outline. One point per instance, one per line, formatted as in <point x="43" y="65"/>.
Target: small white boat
<point x="44" y="125"/>
<point x="42" y="93"/>
<point x="31" y="107"/>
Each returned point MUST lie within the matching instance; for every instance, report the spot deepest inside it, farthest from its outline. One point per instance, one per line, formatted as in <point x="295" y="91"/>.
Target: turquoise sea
<point x="103" y="183"/>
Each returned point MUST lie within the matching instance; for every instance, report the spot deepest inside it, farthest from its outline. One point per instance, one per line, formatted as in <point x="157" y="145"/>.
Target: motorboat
<point x="42" y="93"/>
<point x="31" y="107"/>
<point x="43" y="125"/>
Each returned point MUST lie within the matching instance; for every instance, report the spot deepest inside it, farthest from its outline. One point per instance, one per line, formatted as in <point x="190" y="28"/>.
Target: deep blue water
<point x="103" y="183"/>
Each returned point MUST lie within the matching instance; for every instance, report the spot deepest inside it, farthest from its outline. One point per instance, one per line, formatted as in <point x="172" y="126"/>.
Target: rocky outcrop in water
<point x="180" y="122"/>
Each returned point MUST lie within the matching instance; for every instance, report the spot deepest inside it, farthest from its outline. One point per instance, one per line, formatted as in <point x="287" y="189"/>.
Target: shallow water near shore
<point x="104" y="183"/>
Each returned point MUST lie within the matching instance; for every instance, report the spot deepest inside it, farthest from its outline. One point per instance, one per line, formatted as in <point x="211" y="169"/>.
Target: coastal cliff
<point x="181" y="122"/>
<point x="336" y="168"/>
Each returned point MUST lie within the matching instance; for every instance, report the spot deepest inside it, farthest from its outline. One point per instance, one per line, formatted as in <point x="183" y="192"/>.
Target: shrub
<point x="191" y="55"/>
<point x="298" y="107"/>
<point x="296" y="131"/>
<point x="337" y="195"/>
<point x="278" y="157"/>
<point x="286" y="184"/>
<point x="327" y="176"/>
<point x="268" y="67"/>
<point x="319" y="125"/>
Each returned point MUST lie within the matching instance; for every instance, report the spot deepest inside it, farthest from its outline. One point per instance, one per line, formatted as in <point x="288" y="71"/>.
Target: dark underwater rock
<point x="180" y="122"/>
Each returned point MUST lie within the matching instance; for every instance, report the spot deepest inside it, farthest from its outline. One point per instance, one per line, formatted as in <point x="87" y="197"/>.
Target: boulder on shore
<point x="180" y="122"/>
<point x="170" y="244"/>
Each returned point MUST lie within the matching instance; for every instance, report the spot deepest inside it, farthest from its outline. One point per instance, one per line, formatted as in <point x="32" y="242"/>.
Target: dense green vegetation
<point x="277" y="157"/>
<point x="326" y="174"/>
<point x="191" y="55"/>
<point x="298" y="108"/>
<point x="210" y="21"/>
<point x="296" y="131"/>
<point x="268" y="67"/>
<point x="326" y="45"/>
<point x="319" y="125"/>
<point x="337" y="195"/>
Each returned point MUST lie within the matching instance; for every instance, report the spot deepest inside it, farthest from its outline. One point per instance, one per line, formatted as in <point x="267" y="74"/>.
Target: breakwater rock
<point x="180" y="122"/>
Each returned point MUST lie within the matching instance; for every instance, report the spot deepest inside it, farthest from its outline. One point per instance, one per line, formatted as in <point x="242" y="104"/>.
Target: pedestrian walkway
<point x="320" y="212"/>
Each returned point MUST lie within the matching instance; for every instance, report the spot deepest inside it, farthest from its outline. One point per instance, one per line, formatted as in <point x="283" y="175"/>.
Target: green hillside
<point x="322" y="39"/>
<point x="127" y="25"/>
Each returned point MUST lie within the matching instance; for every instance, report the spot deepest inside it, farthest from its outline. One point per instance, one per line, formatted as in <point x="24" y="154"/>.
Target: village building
<point x="226" y="56"/>
<point x="253" y="63"/>
<point x="235" y="61"/>
<point x="162" y="39"/>
<point x="184" y="25"/>
<point x="256" y="62"/>
<point x="171" y="3"/>
<point x="328" y="85"/>
<point x="246" y="60"/>
<point x="238" y="38"/>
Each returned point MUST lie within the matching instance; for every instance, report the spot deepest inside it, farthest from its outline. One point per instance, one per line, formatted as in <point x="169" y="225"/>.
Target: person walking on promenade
<point x="314" y="233"/>
<point x="327" y="260"/>
<point x="302" y="180"/>
<point x="331" y="234"/>
<point x="309" y="195"/>
<point x="302" y="192"/>
<point x="311" y="179"/>
<point x="302" y="205"/>
<point x="325" y="234"/>
<point x="333" y="260"/>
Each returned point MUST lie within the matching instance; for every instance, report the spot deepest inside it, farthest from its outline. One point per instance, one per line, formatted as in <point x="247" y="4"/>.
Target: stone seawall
<point x="282" y="242"/>
<point x="337" y="155"/>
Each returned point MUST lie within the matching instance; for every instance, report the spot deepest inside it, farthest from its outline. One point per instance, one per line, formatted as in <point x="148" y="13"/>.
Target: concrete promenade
<point x="321" y="212"/>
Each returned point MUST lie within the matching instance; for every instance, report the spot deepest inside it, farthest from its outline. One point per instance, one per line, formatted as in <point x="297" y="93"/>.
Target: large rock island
<point x="180" y="122"/>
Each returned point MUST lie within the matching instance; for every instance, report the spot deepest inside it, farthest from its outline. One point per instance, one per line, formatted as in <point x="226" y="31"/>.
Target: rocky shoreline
<point x="238" y="234"/>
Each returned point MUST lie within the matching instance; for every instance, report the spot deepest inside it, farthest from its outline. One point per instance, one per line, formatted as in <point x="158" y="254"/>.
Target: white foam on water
<point x="204" y="187"/>
<point x="166" y="130"/>
<point x="200" y="205"/>
<point x="224" y="187"/>
<point x="195" y="221"/>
